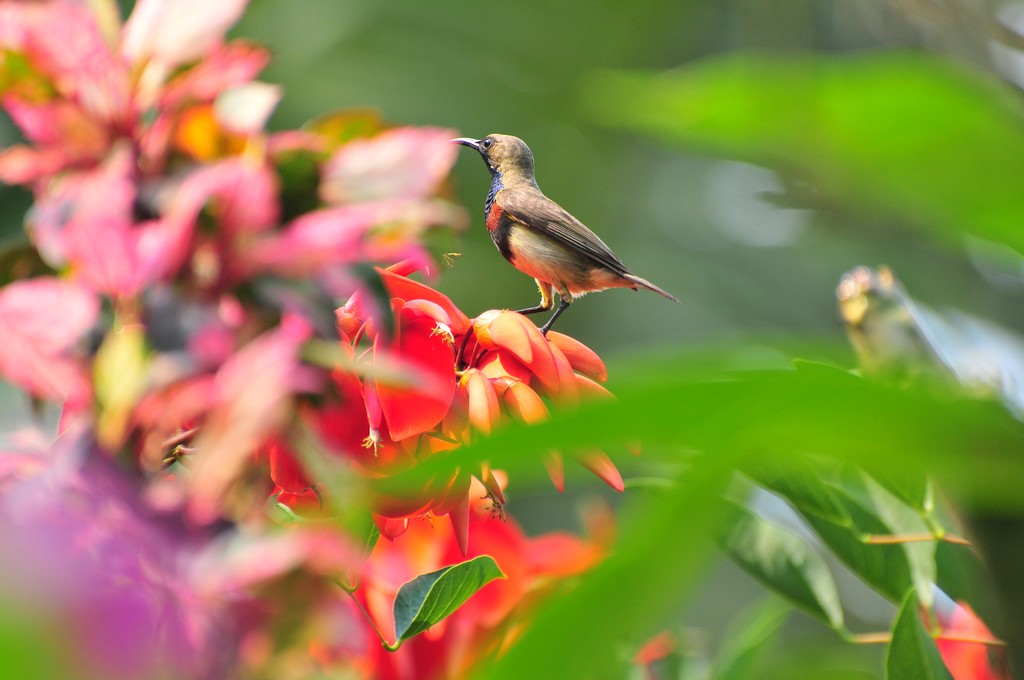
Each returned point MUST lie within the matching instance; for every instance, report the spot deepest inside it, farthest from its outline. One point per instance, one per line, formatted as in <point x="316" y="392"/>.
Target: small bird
<point x="539" y="237"/>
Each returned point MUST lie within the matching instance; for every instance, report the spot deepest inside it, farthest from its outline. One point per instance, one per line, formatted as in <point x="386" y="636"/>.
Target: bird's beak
<point x="467" y="141"/>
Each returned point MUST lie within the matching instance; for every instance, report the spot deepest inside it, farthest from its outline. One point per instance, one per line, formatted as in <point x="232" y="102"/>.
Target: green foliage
<point x="431" y="598"/>
<point x="783" y="561"/>
<point x="746" y="644"/>
<point x="897" y="134"/>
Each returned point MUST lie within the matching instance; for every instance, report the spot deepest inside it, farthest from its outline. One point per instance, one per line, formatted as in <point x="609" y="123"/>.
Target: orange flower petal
<point x="509" y="330"/>
<point x="456" y="421"/>
<point x="515" y="334"/>
<point x="567" y="390"/>
<point x="602" y="466"/>
<point x="482" y="402"/>
<point x="491" y="483"/>
<point x="521" y="401"/>
<point x="499" y="363"/>
<point x="556" y="470"/>
<point x="583" y="359"/>
<point x="588" y="388"/>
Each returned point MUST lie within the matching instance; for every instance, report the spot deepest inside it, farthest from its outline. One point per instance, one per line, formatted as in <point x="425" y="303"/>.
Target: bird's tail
<point x="644" y="283"/>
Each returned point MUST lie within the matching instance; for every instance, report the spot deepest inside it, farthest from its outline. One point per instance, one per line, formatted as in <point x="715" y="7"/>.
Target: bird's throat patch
<point x="490" y="216"/>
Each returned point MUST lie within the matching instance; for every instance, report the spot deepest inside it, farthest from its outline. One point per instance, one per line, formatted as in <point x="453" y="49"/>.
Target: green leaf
<point x="902" y="134"/>
<point x="432" y="597"/>
<point x="912" y="653"/>
<point x="961" y="575"/>
<point x="744" y="647"/>
<point x="783" y="561"/>
<point x="801" y="481"/>
<point x="900" y="519"/>
<point x="766" y="416"/>
<point x="884" y="567"/>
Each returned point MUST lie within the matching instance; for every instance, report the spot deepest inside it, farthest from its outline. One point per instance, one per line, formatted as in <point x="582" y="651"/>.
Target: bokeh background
<point x="704" y="228"/>
<point x="750" y="260"/>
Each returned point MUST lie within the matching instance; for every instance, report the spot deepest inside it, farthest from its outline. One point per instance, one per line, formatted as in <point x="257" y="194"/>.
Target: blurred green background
<point x="704" y="228"/>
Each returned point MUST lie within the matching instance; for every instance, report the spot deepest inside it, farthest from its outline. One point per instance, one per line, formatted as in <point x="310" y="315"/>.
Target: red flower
<point x="436" y="379"/>
<point x="969" y="649"/>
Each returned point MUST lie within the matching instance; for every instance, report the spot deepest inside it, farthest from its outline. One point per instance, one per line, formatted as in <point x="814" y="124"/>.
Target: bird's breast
<point x="544" y="258"/>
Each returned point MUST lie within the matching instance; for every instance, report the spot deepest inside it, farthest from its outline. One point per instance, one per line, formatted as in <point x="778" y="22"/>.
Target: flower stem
<point x="351" y="592"/>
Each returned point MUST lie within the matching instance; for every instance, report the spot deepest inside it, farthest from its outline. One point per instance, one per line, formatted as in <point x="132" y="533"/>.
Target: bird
<point x="542" y="239"/>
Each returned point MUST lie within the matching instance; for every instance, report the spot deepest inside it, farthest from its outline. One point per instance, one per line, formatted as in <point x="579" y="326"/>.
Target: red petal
<point x="452" y="497"/>
<point x="304" y="502"/>
<point x="507" y="330"/>
<point x="406" y="289"/>
<point x="285" y="470"/>
<point x="459" y="516"/>
<point x="558" y="554"/>
<point x="430" y="309"/>
<point x="411" y="411"/>
<point x="391" y="528"/>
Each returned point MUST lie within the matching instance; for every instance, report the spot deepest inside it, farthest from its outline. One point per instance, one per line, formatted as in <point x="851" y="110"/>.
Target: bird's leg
<point x="563" y="304"/>
<point x="546" y="300"/>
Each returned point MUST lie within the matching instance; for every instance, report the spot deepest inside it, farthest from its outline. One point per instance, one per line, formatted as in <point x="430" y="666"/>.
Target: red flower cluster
<point x="481" y="628"/>
<point x="431" y="383"/>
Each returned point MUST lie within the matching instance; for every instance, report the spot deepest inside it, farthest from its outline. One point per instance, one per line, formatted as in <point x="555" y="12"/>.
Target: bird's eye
<point x="487" y="143"/>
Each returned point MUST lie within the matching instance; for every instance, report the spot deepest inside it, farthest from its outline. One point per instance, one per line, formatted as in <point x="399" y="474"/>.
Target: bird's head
<point x="504" y="154"/>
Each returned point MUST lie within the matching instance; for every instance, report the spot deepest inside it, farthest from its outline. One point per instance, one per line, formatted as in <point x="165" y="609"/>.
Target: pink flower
<point x="43" y="322"/>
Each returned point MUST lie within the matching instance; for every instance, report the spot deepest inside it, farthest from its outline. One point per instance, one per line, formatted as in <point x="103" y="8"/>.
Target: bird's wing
<point x="540" y="213"/>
